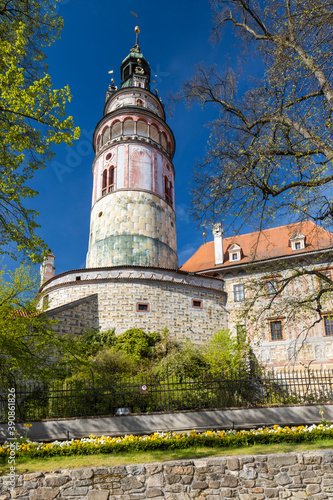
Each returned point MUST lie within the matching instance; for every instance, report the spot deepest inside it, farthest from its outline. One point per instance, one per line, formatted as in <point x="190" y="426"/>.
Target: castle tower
<point x="133" y="217"/>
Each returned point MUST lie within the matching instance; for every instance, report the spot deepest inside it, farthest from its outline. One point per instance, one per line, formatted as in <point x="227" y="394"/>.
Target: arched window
<point x="116" y="130"/>
<point x="108" y="181"/>
<point x="104" y="182"/>
<point x="168" y="190"/>
<point x="164" y="142"/>
<point x="129" y="127"/>
<point x="106" y="135"/>
<point x="142" y="129"/>
<point x="111" y="179"/>
<point x="154" y="134"/>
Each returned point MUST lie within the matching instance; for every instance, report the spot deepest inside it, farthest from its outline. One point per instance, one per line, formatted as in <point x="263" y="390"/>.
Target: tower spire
<point x="135" y="70"/>
<point x="136" y="46"/>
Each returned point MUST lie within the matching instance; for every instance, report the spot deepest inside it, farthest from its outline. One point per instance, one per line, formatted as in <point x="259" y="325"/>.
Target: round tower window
<point x="108" y="156"/>
<point x="100" y="214"/>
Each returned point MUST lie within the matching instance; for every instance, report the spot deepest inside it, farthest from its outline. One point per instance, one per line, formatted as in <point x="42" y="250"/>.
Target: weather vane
<point x="137" y="29"/>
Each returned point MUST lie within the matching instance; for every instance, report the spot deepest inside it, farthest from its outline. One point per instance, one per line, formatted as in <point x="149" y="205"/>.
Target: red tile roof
<point x="261" y="245"/>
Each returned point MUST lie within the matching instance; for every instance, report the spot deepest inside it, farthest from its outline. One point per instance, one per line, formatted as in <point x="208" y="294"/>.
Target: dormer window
<point x="234" y="252"/>
<point x="297" y="242"/>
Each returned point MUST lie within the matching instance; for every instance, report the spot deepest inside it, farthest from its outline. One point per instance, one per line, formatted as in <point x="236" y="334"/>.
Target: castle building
<point x="132" y="277"/>
<point x="278" y="311"/>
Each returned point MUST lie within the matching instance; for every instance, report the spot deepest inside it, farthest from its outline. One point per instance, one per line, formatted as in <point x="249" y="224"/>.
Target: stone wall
<point x="77" y="316"/>
<point x="290" y="475"/>
<point x="168" y="294"/>
<point x="177" y="421"/>
<point x="131" y="227"/>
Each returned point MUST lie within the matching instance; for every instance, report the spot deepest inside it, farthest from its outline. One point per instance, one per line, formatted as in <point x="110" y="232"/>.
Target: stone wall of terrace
<point x="290" y="475"/>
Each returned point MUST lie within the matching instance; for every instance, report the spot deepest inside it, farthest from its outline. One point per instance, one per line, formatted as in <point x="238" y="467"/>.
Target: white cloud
<point x="182" y="214"/>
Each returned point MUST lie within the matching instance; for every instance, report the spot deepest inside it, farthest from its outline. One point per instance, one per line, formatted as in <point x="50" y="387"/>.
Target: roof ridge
<point x="266" y="243"/>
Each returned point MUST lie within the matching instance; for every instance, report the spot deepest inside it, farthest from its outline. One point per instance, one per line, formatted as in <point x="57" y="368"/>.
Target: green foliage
<point x="32" y="116"/>
<point x="165" y="344"/>
<point x="29" y="348"/>
<point x="92" y="341"/>
<point x="111" y="363"/>
<point x="186" y="361"/>
<point x="137" y="343"/>
<point x="227" y="355"/>
<point x="102" y="356"/>
<point x="323" y="420"/>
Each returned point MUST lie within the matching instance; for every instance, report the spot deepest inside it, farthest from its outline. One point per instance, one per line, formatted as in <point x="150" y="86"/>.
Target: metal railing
<point x="148" y="394"/>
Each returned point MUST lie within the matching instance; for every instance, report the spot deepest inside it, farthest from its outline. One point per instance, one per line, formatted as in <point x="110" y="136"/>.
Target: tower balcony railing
<point x="108" y="189"/>
<point x="133" y="137"/>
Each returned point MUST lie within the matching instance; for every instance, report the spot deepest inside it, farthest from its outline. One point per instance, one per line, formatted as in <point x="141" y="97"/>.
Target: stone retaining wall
<point x="290" y="475"/>
<point x="178" y="421"/>
<point x="167" y="294"/>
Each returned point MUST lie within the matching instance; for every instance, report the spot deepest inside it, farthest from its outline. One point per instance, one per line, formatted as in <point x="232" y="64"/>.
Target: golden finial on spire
<point x="137" y="31"/>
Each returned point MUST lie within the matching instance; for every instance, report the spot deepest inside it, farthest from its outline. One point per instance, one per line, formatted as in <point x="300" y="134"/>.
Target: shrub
<point x="227" y="355"/>
<point x="111" y="363"/>
<point x="184" y="361"/>
<point x="136" y="343"/>
<point x="93" y="341"/>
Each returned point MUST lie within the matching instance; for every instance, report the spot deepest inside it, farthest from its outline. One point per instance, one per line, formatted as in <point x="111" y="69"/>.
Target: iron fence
<point x="148" y="394"/>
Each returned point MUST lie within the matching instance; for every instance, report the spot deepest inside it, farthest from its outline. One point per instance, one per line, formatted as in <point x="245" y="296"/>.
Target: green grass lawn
<point x="27" y="465"/>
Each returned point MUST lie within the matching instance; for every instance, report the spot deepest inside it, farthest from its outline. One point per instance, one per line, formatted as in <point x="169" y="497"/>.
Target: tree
<point x="227" y="355"/>
<point x="137" y="343"/>
<point x="270" y="156"/>
<point x="271" y="151"/>
<point x="29" y="348"/>
<point x="93" y="341"/>
<point x="32" y="117"/>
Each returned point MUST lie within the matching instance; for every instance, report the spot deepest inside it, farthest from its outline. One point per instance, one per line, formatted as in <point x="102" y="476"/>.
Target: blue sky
<point x="96" y="37"/>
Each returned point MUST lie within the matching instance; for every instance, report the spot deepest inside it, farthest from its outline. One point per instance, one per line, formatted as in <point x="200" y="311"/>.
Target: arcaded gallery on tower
<point x="132" y="277"/>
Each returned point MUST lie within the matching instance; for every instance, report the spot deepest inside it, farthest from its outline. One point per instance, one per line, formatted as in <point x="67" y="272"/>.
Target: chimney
<point x="47" y="268"/>
<point x="218" y="243"/>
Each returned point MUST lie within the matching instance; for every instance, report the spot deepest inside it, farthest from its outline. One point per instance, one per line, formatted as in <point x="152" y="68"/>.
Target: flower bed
<point x="168" y="440"/>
